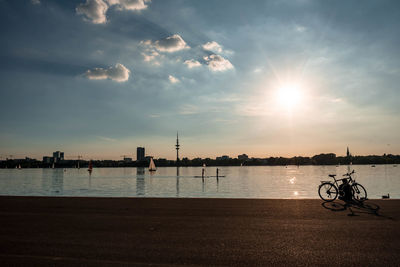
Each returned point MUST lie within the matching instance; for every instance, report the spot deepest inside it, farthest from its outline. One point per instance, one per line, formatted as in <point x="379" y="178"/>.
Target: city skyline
<point x="270" y="78"/>
<point x="142" y="155"/>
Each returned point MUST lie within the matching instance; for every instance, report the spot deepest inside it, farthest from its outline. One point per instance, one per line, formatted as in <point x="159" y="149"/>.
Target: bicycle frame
<point x="348" y="177"/>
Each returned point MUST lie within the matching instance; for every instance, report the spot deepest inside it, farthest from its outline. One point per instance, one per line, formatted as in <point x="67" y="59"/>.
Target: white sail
<point x="152" y="166"/>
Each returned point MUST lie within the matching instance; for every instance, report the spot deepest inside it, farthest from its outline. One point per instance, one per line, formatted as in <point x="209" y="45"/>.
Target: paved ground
<point x="44" y="231"/>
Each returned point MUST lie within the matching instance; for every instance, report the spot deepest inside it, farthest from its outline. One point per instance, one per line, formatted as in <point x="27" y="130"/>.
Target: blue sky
<point x="99" y="78"/>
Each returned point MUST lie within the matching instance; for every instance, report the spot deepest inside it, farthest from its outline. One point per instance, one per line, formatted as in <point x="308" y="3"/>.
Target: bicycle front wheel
<point x="327" y="191"/>
<point x="359" y="192"/>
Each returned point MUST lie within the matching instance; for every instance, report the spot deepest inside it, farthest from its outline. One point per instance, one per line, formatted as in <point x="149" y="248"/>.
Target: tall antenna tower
<point x="177" y="148"/>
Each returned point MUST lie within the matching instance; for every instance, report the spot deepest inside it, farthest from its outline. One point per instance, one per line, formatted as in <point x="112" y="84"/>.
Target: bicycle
<point x="329" y="191"/>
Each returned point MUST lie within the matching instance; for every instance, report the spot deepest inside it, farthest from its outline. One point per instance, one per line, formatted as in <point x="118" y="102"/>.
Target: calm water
<point x="239" y="182"/>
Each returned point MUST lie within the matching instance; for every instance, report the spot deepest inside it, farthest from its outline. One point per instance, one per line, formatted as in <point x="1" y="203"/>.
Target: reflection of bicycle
<point x="329" y="191"/>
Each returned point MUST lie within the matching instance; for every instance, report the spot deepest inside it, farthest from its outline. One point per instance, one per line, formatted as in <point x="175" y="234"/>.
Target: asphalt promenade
<point x="63" y="231"/>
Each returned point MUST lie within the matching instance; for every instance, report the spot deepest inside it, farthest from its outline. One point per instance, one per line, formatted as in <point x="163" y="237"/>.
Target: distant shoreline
<point x="200" y="166"/>
<point x="319" y="160"/>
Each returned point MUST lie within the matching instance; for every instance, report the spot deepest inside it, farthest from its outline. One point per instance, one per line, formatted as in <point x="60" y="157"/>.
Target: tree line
<point x="320" y="159"/>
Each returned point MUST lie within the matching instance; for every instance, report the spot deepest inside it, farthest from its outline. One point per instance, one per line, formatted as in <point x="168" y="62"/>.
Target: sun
<point x="289" y="95"/>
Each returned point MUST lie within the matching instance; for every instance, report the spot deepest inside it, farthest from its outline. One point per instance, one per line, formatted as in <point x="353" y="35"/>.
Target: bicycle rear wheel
<point x="359" y="192"/>
<point x="328" y="191"/>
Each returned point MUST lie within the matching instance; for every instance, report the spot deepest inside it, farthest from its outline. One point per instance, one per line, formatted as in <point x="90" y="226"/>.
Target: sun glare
<point x="289" y="95"/>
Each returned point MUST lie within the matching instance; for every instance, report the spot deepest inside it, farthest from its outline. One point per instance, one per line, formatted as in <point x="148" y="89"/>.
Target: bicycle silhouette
<point x="329" y="191"/>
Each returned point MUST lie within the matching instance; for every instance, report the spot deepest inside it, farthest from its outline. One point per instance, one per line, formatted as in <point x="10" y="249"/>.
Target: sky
<point x="98" y="78"/>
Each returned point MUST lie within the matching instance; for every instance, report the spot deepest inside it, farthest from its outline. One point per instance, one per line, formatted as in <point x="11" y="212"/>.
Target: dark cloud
<point x="95" y="10"/>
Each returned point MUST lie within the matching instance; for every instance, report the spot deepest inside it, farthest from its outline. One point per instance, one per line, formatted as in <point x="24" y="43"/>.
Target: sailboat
<point x="52" y="166"/>
<point x="90" y="168"/>
<point x="152" y="166"/>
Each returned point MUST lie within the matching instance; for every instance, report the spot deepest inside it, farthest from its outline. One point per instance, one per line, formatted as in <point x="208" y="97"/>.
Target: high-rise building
<point x="140" y="153"/>
<point x="58" y="156"/>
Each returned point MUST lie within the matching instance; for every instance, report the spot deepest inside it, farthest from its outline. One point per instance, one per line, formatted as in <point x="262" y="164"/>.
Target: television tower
<point x="177" y="148"/>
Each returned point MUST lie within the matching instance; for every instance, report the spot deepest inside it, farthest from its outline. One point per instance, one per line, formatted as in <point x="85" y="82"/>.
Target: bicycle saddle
<point x="332" y="175"/>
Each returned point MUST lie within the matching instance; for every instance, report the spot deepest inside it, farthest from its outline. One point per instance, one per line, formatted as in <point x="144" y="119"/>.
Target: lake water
<point x="239" y="182"/>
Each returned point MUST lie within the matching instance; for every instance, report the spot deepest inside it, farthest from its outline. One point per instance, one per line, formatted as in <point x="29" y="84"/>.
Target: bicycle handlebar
<point x="349" y="173"/>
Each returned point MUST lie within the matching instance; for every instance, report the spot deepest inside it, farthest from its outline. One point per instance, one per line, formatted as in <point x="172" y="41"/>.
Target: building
<point x="224" y="157"/>
<point x="47" y="159"/>
<point x="243" y="157"/>
<point x="127" y="160"/>
<point x="58" y="156"/>
<point x="140" y="155"/>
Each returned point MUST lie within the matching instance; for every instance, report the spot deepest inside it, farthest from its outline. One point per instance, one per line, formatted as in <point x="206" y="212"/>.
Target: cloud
<point x="129" y="4"/>
<point x="172" y="79"/>
<point x="35" y="2"/>
<point x="300" y="28"/>
<point x="218" y="63"/>
<point x="188" y="109"/>
<point x="215" y="47"/>
<point x="337" y="100"/>
<point x="154" y="115"/>
<point x="170" y="44"/>
<point x="119" y="73"/>
<point x="212" y="46"/>
<point x="108" y="139"/>
<point x="95" y="10"/>
<point x="150" y="55"/>
<point x="191" y="63"/>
